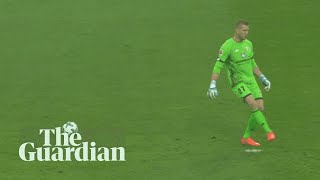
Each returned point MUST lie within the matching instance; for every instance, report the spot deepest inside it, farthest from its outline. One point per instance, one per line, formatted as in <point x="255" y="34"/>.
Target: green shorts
<point x="242" y="90"/>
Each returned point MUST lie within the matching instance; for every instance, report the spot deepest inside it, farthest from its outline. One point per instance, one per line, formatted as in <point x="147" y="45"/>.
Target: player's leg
<point x="252" y="122"/>
<point x="256" y="93"/>
<point x="252" y="103"/>
<point x="242" y="91"/>
<point x="254" y="88"/>
<point x="260" y="104"/>
<point x="271" y="136"/>
<point x="257" y="114"/>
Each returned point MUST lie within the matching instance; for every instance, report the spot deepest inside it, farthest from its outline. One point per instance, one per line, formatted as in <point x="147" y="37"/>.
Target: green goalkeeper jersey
<point x="238" y="58"/>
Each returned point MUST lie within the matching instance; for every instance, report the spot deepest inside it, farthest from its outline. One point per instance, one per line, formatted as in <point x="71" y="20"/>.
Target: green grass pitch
<point x="135" y="74"/>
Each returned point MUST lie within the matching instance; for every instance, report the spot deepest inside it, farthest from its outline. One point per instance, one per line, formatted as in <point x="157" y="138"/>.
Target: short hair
<point x="241" y="22"/>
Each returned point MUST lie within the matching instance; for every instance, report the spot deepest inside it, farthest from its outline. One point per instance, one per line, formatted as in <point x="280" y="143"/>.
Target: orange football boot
<point x="271" y="136"/>
<point x="249" y="141"/>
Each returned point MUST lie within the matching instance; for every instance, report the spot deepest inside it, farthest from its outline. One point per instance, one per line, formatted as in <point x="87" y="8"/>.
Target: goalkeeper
<point x="236" y="54"/>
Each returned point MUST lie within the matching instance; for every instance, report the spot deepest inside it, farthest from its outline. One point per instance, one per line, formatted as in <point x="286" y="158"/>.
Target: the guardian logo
<point x="71" y="148"/>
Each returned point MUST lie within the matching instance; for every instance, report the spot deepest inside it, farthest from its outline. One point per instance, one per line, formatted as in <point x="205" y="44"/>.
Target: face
<point x="242" y="31"/>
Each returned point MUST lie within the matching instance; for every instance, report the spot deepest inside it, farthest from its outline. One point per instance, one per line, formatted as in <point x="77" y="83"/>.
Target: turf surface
<point x="135" y="74"/>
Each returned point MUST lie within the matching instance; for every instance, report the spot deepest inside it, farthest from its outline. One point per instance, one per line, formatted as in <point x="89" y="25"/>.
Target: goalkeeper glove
<point x="212" y="91"/>
<point x="265" y="82"/>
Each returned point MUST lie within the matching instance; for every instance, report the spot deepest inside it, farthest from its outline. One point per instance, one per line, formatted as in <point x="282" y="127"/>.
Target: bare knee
<point x="260" y="104"/>
<point x="252" y="103"/>
<point x="261" y="108"/>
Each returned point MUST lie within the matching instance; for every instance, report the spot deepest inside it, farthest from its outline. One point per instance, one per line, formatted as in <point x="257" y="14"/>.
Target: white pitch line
<point x="253" y="150"/>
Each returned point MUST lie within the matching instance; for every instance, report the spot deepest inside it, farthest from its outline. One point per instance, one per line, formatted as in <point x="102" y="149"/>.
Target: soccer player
<point x="236" y="54"/>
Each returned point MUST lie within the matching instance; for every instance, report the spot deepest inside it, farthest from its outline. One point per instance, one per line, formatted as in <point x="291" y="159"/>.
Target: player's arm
<point x="215" y="76"/>
<point x="259" y="74"/>
<point x="212" y="91"/>
<point x="223" y="55"/>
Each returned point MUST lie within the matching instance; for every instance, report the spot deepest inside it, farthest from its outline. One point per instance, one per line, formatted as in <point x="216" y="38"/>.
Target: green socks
<point x="256" y="117"/>
<point x="261" y="120"/>
<point x="250" y="127"/>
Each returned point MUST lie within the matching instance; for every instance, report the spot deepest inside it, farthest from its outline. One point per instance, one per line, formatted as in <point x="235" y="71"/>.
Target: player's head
<point x="241" y="29"/>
